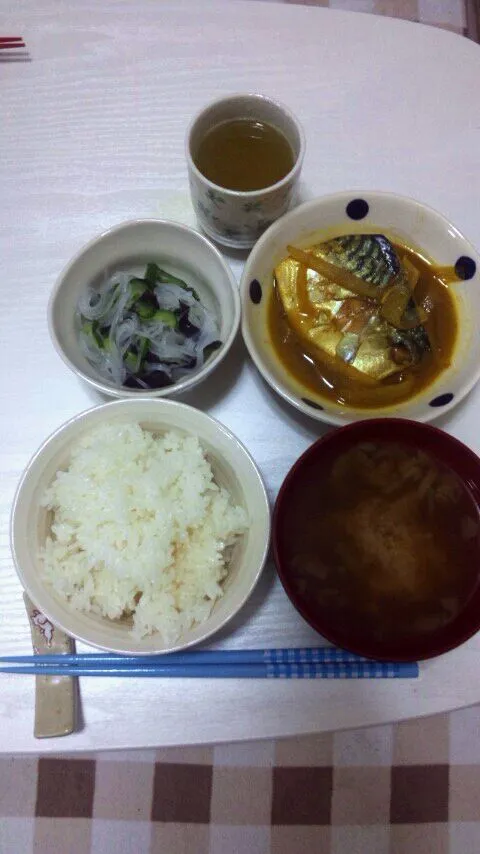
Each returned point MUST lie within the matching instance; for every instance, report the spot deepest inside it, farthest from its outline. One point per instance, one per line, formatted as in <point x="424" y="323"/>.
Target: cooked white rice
<point x="141" y="527"/>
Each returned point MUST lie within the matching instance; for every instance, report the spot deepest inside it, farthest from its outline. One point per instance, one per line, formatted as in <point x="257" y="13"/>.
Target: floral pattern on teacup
<point x="233" y="219"/>
<point x="215" y="198"/>
<point x="250" y="207"/>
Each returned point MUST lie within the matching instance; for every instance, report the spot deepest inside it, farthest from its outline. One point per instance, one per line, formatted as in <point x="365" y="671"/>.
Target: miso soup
<point x="384" y="541"/>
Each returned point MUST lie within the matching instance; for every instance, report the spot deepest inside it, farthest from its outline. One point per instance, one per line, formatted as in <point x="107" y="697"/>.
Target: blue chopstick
<point x="297" y="655"/>
<point x="295" y="663"/>
<point x="322" y="670"/>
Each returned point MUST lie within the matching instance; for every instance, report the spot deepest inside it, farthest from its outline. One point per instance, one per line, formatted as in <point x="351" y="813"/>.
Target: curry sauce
<point x="328" y="376"/>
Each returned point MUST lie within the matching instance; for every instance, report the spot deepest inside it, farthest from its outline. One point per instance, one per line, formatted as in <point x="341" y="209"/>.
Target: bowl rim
<point x="295" y="400"/>
<point x="219" y="427"/>
<point x="184" y="384"/>
<point x="322" y="445"/>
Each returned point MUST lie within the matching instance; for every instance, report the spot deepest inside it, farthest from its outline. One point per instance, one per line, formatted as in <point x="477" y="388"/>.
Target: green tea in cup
<point x="244" y="154"/>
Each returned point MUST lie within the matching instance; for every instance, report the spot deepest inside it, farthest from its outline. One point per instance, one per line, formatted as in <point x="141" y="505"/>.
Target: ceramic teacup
<point x="232" y="217"/>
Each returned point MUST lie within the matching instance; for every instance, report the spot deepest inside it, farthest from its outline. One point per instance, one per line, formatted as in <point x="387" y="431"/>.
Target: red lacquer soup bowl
<point x="376" y="539"/>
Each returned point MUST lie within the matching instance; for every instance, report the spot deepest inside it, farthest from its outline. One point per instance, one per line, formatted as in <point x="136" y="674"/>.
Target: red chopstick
<point x="11" y="42"/>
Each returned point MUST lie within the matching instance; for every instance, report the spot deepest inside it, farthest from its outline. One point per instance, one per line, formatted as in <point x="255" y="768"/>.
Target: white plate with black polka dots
<point x="361" y="219"/>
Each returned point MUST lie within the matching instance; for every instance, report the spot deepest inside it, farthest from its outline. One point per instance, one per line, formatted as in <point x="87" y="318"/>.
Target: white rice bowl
<point x="140" y="528"/>
<point x="234" y="471"/>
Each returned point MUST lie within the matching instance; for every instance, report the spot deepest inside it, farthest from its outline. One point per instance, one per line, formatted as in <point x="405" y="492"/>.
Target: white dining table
<point x="92" y="133"/>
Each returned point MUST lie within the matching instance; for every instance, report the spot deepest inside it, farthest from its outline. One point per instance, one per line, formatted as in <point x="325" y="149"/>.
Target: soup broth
<point x="384" y="540"/>
<point x="245" y="155"/>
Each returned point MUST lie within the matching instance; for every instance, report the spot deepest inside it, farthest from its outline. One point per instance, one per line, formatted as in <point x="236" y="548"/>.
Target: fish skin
<point x="416" y="341"/>
<point x="369" y="256"/>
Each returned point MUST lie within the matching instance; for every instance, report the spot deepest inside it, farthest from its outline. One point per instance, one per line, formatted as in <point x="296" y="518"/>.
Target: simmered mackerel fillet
<point x="348" y="326"/>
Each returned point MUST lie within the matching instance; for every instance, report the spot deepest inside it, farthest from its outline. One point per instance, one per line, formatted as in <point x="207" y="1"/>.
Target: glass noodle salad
<point x="148" y="332"/>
